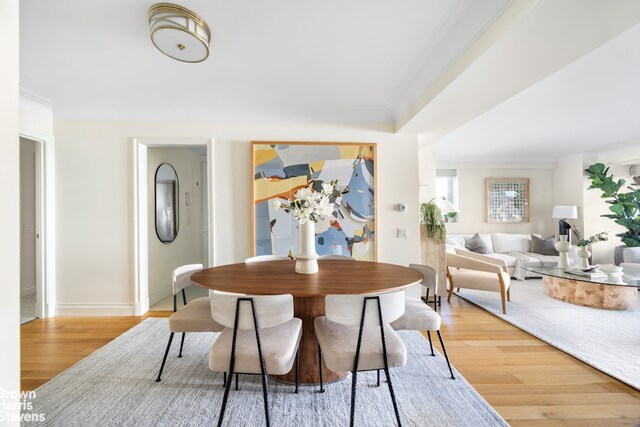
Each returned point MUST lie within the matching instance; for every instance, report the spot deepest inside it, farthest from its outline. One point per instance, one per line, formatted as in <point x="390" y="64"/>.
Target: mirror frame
<point x="176" y="204"/>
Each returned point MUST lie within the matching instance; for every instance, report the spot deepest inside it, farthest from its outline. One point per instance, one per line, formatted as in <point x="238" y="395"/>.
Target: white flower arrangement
<point x="310" y="205"/>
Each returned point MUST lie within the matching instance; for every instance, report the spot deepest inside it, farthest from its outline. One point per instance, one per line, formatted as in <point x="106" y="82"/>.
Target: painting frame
<point x="368" y="236"/>
<point x="491" y="203"/>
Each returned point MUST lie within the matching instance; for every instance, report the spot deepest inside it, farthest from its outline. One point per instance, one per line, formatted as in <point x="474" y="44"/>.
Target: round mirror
<point x="167" y="207"/>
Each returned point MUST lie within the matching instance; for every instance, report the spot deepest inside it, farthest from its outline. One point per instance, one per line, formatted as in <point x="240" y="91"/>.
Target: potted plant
<point x="433" y="233"/>
<point x="431" y="218"/>
<point x="624" y="207"/>
<point x="583" y="244"/>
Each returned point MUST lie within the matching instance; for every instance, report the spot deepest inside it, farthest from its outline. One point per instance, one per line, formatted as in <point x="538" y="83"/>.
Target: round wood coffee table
<point x="607" y="292"/>
<point x="308" y="290"/>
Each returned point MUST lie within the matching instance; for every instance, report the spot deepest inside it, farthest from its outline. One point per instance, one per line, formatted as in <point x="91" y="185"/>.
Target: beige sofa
<point x="513" y="249"/>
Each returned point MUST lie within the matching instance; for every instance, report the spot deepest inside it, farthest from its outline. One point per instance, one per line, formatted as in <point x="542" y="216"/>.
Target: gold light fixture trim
<point x="179" y="32"/>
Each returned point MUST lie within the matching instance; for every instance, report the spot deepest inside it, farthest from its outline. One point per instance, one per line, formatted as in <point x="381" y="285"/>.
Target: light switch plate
<point x="402" y="233"/>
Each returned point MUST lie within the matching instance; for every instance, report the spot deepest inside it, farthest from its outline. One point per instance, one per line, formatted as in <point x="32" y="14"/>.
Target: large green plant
<point x="625" y="207"/>
<point x="431" y="216"/>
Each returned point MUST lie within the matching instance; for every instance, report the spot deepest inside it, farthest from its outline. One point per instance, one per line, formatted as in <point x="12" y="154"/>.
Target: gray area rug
<point x="115" y="387"/>
<point x="605" y="339"/>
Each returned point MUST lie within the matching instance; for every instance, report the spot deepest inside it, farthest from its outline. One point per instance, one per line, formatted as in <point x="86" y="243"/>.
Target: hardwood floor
<point x="50" y="346"/>
<point x="527" y="381"/>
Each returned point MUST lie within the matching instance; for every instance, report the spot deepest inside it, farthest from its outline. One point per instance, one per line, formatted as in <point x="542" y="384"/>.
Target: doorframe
<point x="45" y="222"/>
<point x="140" y="211"/>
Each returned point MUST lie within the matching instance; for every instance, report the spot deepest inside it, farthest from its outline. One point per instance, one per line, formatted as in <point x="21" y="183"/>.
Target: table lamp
<point x="563" y="213"/>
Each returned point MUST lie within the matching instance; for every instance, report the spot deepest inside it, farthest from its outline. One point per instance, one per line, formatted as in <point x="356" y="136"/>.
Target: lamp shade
<point x="445" y="205"/>
<point x="565" y="212"/>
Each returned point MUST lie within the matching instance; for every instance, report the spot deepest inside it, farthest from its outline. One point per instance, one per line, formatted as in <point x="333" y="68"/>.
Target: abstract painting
<point x="280" y="169"/>
<point x="507" y="200"/>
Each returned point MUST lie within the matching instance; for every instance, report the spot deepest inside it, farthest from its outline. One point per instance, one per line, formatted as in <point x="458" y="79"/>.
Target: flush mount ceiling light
<point x="179" y="33"/>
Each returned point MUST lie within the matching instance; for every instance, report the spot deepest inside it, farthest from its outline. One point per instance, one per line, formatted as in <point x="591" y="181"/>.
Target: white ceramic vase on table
<point x="307" y="258"/>
<point x="563" y="247"/>
<point x="583" y="257"/>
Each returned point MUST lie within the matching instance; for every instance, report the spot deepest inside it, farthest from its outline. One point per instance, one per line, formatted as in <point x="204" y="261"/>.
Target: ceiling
<point x="288" y="60"/>
<point x="497" y="80"/>
<point x="589" y="105"/>
<point x="564" y="80"/>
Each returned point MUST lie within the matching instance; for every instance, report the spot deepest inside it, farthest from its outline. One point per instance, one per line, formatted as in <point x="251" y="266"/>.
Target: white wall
<point x="471" y="184"/>
<point x="27" y="217"/>
<point x="187" y="247"/>
<point x="9" y="214"/>
<point x="427" y="172"/>
<point x="95" y="212"/>
<point x="568" y="181"/>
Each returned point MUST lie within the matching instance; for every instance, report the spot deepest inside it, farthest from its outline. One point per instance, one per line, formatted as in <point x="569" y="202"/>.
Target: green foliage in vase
<point x="624" y="206"/>
<point x="431" y="216"/>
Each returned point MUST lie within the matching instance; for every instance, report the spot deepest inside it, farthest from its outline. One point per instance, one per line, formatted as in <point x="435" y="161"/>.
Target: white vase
<point x="307" y="258"/>
<point x="583" y="257"/>
<point x="563" y="247"/>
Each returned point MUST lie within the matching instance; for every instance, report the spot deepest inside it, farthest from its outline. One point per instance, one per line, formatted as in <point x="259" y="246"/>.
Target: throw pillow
<point x="476" y="244"/>
<point x="543" y="246"/>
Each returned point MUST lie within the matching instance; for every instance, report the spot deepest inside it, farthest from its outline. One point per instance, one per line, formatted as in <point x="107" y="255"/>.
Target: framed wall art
<point x="506" y="200"/>
<point x="280" y="169"/>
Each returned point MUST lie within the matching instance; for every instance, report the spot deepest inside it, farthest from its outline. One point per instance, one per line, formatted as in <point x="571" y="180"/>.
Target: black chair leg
<point x="393" y="396"/>
<point x="225" y="398"/>
<point x="184" y="297"/>
<point x="426" y="297"/>
<point x="430" y="343"/>
<point x="320" y="365"/>
<point x="444" y="350"/>
<point x="378" y="373"/>
<point x="164" y="359"/>
<point x="264" y="396"/>
<point x="181" y="344"/>
<point x="297" y="368"/>
<point x="237" y="388"/>
<point x="354" y="378"/>
<point x="435" y="303"/>
<point x="224" y="380"/>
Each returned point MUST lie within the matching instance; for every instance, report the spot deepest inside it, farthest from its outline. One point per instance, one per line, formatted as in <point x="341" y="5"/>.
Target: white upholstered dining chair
<point x="337" y="257"/>
<point x="263" y="258"/>
<point x="194" y="316"/>
<point x="355" y="336"/>
<point x="429" y="283"/>
<point x="418" y="316"/>
<point x="260" y="337"/>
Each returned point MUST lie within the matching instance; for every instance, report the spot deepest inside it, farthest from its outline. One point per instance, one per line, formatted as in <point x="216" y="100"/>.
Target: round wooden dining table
<point x="308" y="290"/>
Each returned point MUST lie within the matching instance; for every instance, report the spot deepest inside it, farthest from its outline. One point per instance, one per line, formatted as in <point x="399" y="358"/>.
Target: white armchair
<point x="474" y="271"/>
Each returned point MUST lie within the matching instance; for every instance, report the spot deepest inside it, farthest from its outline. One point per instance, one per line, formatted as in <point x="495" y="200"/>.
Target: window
<point x="447" y="187"/>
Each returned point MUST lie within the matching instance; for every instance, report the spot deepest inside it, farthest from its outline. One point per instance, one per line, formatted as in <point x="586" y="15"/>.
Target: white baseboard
<point x="159" y="295"/>
<point x="82" y="310"/>
<point x="27" y="290"/>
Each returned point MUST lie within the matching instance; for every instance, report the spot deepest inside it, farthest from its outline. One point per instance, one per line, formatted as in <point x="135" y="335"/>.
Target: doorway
<point x="156" y="255"/>
<point x="29" y="213"/>
<point x="175" y="197"/>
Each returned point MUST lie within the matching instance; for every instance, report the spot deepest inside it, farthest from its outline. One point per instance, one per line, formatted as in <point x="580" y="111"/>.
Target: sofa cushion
<point x="456" y="240"/>
<point x="507" y="242"/>
<point x="486" y="238"/>
<point x="510" y="260"/>
<point x="476" y="244"/>
<point x="543" y="246"/>
<point x="459" y="240"/>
